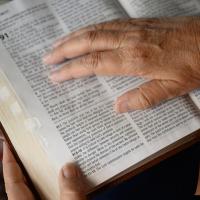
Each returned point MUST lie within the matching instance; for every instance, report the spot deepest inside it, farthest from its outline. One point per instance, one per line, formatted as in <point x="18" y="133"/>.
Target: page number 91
<point x="3" y="36"/>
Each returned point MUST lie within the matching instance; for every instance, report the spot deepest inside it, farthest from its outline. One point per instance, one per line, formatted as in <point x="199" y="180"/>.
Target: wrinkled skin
<point x="166" y="51"/>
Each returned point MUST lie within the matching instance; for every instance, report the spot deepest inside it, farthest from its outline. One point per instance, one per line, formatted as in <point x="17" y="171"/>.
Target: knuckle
<point x="92" y="61"/>
<point x="114" y="39"/>
<point x="130" y="62"/>
<point x="91" y="36"/>
<point x="138" y="51"/>
<point x="144" y="99"/>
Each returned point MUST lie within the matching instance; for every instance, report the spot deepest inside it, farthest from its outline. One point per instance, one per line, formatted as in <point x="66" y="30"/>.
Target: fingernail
<point x="121" y="107"/>
<point x="69" y="171"/>
<point x="47" y="58"/>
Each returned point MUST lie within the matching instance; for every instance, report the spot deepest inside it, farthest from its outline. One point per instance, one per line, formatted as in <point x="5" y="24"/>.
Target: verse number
<point x="3" y="36"/>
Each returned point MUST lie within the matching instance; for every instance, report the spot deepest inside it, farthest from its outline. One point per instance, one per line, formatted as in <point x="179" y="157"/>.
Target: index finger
<point x="110" y="63"/>
<point x="123" y="24"/>
<point x="109" y="26"/>
<point x="86" y="43"/>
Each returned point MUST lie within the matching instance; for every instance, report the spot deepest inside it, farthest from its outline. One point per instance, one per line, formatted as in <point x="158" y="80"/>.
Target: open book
<point x="50" y="124"/>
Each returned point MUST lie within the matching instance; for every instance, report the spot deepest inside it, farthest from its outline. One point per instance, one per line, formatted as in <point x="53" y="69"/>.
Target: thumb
<point x="71" y="183"/>
<point x="147" y="95"/>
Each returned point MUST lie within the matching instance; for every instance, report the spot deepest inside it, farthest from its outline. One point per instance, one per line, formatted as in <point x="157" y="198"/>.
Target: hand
<point x="70" y="180"/>
<point x="166" y="51"/>
<point x="1" y="146"/>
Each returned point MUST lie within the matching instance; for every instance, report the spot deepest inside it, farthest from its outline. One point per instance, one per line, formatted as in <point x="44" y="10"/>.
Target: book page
<point x="73" y="15"/>
<point x="31" y="28"/>
<point x="195" y="96"/>
<point x="124" y="149"/>
<point x="77" y="119"/>
<point x="160" y="8"/>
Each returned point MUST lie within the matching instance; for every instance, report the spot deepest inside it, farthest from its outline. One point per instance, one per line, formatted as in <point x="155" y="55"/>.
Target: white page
<point x="195" y="96"/>
<point x="160" y="8"/>
<point x="25" y="42"/>
<point x="102" y="142"/>
<point x="80" y="13"/>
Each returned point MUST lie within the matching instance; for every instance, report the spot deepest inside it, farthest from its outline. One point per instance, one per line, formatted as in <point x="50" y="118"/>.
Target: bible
<point x="52" y="124"/>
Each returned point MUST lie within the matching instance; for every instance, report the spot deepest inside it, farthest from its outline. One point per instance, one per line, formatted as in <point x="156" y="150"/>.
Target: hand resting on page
<point x="165" y="50"/>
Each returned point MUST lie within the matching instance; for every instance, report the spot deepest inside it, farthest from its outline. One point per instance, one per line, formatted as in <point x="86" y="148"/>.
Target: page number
<point x="3" y="36"/>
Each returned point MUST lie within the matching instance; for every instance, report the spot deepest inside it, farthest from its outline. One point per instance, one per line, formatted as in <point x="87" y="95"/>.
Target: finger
<point x="95" y="63"/>
<point x="103" y="63"/>
<point x="93" y="41"/>
<point x="107" y="26"/>
<point x="15" y="185"/>
<point x="86" y="43"/>
<point x="120" y="25"/>
<point x="72" y="186"/>
<point x="147" y="95"/>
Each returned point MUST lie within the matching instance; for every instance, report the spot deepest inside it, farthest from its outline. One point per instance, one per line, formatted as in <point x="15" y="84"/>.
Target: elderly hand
<point x="70" y="180"/>
<point x="166" y="51"/>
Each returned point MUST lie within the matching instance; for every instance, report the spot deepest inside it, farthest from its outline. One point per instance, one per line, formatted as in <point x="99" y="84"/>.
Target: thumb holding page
<point x="71" y="183"/>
